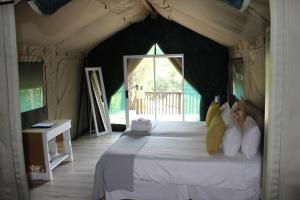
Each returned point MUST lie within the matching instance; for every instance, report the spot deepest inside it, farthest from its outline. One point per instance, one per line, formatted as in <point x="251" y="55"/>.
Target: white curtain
<point x="13" y="182"/>
<point x="282" y="149"/>
<point x="274" y="111"/>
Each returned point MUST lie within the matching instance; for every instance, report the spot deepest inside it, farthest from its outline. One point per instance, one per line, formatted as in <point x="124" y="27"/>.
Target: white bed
<point x="176" y="166"/>
<point x="179" y="168"/>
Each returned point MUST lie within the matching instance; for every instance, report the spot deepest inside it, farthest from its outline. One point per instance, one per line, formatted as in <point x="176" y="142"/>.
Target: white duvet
<point x="184" y="160"/>
<point x="175" y="129"/>
<point x="174" y="165"/>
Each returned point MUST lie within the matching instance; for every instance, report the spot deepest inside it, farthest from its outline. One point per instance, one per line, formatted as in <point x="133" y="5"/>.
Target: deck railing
<point x="168" y="103"/>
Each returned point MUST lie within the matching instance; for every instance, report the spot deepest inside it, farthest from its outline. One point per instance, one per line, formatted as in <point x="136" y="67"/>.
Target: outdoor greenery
<point x="237" y="66"/>
<point x="117" y="101"/>
<point x="31" y="99"/>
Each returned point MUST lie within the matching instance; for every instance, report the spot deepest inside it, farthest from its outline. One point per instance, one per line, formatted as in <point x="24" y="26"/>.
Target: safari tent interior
<point x="246" y="48"/>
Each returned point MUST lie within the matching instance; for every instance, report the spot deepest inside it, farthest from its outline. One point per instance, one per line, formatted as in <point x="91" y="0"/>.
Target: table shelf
<point x="57" y="160"/>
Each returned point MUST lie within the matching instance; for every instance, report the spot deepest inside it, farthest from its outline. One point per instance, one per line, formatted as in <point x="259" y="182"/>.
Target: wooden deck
<point x="74" y="181"/>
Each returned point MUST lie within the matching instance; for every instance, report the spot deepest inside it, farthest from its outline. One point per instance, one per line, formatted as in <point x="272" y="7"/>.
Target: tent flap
<point x="13" y="181"/>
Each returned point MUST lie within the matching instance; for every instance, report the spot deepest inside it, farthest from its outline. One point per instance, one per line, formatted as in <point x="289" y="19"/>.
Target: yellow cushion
<point x="214" y="134"/>
<point x="213" y="109"/>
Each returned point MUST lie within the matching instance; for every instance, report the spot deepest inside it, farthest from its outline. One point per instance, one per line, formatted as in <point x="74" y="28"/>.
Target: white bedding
<point x="176" y="129"/>
<point x="171" y="128"/>
<point x="146" y="190"/>
<point x="176" y="166"/>
<point x="179" y="160"/>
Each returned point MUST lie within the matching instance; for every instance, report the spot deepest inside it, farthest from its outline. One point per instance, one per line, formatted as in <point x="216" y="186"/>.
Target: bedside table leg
<point x="48" y="172"/>
<point x="68" y="145"/>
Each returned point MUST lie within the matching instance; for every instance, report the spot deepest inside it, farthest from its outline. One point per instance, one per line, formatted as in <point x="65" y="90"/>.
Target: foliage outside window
<point x="237" y="67"/>
<point x="31" y="99"/>
<point x="31" y="86"/>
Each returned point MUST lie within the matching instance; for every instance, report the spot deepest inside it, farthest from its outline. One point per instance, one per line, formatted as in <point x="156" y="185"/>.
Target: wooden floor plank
<point x="74" y="180"/>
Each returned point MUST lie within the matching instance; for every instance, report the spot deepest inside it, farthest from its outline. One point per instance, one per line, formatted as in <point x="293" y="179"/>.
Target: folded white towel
<point x="141" y="124"/>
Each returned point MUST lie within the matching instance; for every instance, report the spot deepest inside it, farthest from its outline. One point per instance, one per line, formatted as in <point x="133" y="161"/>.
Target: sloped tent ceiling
<point x="81" y="25"/>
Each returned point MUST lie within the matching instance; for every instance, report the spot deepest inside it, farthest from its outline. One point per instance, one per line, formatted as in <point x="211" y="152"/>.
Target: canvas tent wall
<point x="63" y="80"/>
<point x="253" y="56"/>
<point x="101" y="19"/>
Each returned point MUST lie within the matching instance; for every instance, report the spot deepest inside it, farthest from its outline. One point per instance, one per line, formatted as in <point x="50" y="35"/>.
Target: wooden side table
<point x="36" y="150"/>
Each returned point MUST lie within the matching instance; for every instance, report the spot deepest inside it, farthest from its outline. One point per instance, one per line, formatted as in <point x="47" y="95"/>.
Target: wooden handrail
<point x="168" y="103"/>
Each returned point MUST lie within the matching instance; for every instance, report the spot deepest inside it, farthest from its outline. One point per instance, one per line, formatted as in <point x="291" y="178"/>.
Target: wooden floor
<point x="75" y="180"/>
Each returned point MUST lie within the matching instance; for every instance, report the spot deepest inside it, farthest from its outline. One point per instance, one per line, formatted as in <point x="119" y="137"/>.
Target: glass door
<point x="169" y="88"/>
<point x="154" y="87"/>
<point x="139" y="88"/>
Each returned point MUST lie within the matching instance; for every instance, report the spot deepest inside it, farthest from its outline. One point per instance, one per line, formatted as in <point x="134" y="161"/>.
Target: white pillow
<point x="250" y="137"/>
<point x="226" y="114"/>
<point x="232" y="140"/>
